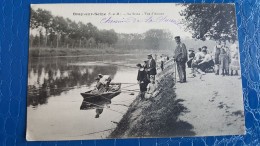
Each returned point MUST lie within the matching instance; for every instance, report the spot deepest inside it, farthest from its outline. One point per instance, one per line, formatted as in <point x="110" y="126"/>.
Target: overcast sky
<point x="165" y="16"/>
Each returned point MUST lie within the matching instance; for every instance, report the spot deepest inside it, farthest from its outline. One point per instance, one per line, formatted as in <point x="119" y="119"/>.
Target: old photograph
<point x="106" y="71"/>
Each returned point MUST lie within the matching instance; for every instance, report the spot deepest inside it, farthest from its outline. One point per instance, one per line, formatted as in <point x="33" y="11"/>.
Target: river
<point x="55" y="108"/>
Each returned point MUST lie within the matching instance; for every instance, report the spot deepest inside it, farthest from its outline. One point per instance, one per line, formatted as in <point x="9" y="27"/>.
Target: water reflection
<point x="48" y="79"/>
<point x="98" y="103"/>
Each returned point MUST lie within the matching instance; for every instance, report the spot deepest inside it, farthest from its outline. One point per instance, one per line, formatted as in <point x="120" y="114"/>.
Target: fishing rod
<point x="130" y="83"/>
<point x="97" y="132"/>
<point x="134" y="90"/>
<point x="115" y="64"/>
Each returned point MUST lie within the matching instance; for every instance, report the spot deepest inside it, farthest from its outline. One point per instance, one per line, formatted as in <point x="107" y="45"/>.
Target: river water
<point x="55" y="108"/>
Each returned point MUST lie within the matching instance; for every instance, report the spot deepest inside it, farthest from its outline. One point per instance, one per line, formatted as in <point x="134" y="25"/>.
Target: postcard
<point x="106" y="71"/>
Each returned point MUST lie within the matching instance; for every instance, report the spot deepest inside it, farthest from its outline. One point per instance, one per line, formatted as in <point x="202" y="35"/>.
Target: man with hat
<point x="151" y="66"/>
<point x="204" y="48"/>
<point x="181" y="57"/>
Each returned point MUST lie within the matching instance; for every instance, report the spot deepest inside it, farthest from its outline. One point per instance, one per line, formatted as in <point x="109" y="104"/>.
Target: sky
<point x="127" y="18"/>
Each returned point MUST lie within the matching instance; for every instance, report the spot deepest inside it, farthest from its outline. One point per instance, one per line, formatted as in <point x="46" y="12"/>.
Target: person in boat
<point x="104" y="80"/>
<point x="142" y="80"/>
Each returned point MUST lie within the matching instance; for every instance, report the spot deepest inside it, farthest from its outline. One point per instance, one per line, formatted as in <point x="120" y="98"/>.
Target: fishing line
<point x="97" y="132"/>
<point x="115" y="64"/>
<point x="105" y="107"/>
<point x="129" y="86"/>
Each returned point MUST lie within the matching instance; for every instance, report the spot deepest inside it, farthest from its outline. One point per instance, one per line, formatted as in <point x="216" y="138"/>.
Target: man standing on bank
<point x="151" y="67"/>
<point x="181" y="57"/>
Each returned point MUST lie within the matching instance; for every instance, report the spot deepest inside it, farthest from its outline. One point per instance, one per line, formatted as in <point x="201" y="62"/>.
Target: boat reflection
<point x="98" y="104"/>
<point x="93" y="100"/>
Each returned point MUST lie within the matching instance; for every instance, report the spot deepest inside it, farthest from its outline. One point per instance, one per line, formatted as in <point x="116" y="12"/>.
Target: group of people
<point x="146" y="76"/>
<point x="226" y="59"/>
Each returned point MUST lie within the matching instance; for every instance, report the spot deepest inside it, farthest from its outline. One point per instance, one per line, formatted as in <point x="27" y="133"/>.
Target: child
<point x="142" y="80"/>
<point x="224" y="62"/>
<point x="150" y="89"/>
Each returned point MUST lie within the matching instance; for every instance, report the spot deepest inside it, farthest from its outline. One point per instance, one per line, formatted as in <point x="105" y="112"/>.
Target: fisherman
<point x="151" y="66"/>
<point x="142" y="80"/>
<point x="104" y="80"/>
<point x="180" y="56"/>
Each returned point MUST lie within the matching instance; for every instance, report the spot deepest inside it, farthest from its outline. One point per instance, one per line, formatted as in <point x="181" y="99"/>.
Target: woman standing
<point x="234" y="65"/>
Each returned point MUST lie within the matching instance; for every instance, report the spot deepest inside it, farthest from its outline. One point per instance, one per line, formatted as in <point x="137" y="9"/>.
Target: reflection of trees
<point x="55" y="83"/>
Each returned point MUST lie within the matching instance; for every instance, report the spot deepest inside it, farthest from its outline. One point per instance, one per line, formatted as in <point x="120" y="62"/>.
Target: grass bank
<point x="157" y="116"/>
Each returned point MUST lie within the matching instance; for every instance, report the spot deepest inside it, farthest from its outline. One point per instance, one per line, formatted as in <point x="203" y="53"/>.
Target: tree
<point x="154" y="38"/>
<point x="212" y="21"/>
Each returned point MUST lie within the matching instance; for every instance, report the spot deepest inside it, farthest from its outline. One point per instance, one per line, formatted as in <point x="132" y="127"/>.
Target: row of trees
<point x="56" y="31"/>
<point x="204" y="21"/>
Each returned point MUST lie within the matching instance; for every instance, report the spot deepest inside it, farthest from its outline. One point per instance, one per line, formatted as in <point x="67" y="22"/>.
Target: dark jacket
<point x="180" y="53"/>
<point x="152" y="66"/>
<point x="142" y="76"/>
<point x="143" y="79"/>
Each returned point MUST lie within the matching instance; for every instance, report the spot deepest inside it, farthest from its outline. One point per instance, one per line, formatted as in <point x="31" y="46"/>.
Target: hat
<point x="204" y="51"/>
<point x="138" y="65"/>
<point x="100" y="75"/>
<point x="191" y="50"/>
<point x="177" y="37"/>
<point x="204" y="47"/>
<point x="149" y="55"/>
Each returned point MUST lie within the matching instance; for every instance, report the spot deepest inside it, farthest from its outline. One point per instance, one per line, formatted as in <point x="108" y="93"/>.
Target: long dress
<point x="234" y="60"/>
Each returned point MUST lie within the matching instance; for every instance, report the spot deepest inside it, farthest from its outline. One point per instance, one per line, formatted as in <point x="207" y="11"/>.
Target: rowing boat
<point x="114" y="90"/>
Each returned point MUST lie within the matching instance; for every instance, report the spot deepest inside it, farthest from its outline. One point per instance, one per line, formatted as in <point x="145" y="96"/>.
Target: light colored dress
<point x="234" y="60"/>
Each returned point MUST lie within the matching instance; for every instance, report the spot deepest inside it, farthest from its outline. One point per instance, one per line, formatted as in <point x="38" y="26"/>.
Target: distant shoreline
<point x="78" y="52"/>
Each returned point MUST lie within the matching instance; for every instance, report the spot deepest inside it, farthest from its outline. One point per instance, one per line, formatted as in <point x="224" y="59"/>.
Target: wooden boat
<point x="114" y="90"/>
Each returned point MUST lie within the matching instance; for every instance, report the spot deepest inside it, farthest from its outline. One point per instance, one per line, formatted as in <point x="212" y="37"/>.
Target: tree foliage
<point x="61" y="32"/>
<point x="153" y="39"/>
<point x="55" y="31"/>
<point x="212" y="21"/>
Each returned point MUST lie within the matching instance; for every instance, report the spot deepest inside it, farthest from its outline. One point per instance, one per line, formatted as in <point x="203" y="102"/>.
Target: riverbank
<point x="55" y="52"/>
<point x="204" y="106"/>
<point x="157" y="116"/>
